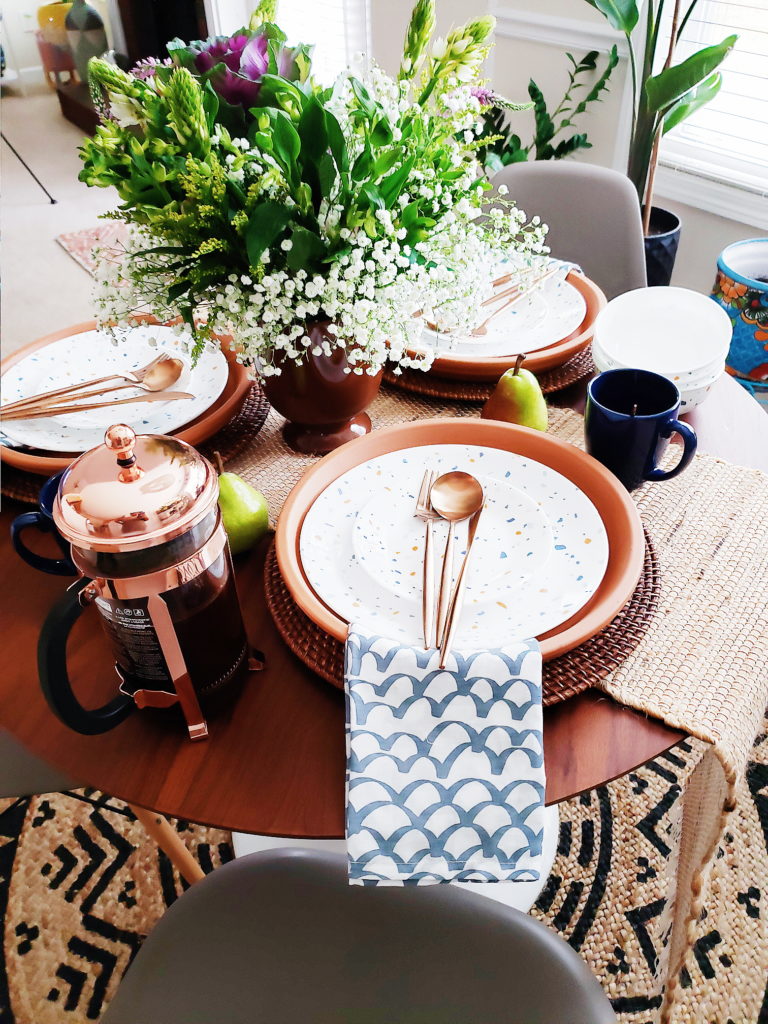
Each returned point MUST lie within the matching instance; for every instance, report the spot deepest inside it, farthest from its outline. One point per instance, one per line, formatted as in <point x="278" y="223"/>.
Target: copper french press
<point x="142" y="518"/>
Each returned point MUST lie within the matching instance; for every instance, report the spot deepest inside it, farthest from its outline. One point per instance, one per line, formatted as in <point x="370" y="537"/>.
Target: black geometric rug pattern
<point x="81" y="886"/>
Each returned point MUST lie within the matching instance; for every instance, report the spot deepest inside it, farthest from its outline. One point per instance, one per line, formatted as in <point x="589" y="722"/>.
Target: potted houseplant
<point x="552" y="139"/>
<point x="663" y="95"/>
<point x="311" y="224"/>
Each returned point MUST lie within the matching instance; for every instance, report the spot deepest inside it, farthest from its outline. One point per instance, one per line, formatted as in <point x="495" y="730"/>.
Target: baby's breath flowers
<point x="361" y="205"/>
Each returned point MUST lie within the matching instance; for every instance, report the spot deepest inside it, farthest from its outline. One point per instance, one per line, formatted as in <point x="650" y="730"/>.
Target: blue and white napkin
<point x="445" y="767"/>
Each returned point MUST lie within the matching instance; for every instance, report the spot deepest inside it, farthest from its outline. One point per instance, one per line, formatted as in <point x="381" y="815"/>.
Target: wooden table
<point x="274" y="763"/>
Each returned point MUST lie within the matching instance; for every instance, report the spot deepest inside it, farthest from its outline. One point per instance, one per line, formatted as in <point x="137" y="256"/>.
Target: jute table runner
<point x="702" y="666"/>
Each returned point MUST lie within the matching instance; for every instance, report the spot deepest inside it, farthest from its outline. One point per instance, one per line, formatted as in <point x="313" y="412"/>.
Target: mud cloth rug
<point x="81" y="886"/>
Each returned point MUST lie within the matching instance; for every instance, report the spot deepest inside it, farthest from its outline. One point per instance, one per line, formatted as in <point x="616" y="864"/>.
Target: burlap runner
<point x="703" y="664"/>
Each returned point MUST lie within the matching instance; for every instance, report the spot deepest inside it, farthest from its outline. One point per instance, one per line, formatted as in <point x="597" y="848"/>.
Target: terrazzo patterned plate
<point x="617" y="510"/>
<point x="92" y="354"/>
<point x="548" y="315"/>
<point x="540" y="554"/>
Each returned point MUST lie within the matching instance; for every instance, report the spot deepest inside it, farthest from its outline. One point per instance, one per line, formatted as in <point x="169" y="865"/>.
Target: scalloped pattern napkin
<point x="445" y="767"/>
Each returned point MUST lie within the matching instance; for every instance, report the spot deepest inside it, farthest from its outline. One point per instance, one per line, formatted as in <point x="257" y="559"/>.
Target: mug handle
<point x="54" y="679"/>
<point x="56" y="566"/>
<point x="689" y="449"/>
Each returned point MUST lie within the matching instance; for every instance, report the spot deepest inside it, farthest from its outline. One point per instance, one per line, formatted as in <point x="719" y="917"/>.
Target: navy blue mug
<point x="42" y="519"/>
<point x="629" y="419"/>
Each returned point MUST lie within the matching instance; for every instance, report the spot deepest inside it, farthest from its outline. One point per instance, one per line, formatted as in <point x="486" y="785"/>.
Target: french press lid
<point x="134" y="491"/>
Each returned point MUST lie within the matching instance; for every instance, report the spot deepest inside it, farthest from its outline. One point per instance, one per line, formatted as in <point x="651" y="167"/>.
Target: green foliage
<point x="671" y="84"/>
<point x="690" y="101"/>
<point x="231" y="194"/>
<point x="663" y="99"/>
<point x="502" y="147"/>
<point x="621" y="14"/>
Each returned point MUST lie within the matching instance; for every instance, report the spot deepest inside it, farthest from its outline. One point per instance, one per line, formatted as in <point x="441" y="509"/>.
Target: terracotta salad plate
<point x="614" y="506"/>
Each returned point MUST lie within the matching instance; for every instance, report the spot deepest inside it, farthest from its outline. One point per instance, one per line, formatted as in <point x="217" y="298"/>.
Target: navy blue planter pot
<point x="661" y="246"/>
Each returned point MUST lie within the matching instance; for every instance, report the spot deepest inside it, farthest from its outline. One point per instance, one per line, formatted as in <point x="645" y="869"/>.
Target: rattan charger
<point x="420" y="383"/>
<point x="563" y="677"/>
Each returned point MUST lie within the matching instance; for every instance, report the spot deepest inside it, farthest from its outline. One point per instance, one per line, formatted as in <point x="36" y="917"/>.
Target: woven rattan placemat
<point x="418" y="383"/>
<point x="563" y="677"/>
<point x="229" y="442"/>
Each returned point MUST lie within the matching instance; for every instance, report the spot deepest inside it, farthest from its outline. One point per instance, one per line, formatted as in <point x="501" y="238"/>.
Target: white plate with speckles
<point x="94" y="354"/>
<point x="541" y="549"/>
<point x="546" y="316"/>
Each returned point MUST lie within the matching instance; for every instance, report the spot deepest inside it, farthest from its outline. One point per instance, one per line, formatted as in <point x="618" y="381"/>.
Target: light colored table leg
<point x="167" y="838"/>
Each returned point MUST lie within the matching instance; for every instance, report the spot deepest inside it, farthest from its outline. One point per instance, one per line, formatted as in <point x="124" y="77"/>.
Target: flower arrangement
<point x="260" y="203"/>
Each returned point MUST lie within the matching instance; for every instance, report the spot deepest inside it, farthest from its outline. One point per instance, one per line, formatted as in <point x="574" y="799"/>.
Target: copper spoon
<point x="61" y="410"/>
<point x="146" y="377"/>
<point x="454" y="609"/>
<point x="159" y="378"/>
<point x="455" y="496"/>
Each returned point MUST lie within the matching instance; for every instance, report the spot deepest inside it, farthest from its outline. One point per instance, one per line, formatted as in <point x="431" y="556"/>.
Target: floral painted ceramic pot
<point x="741" y="288"/>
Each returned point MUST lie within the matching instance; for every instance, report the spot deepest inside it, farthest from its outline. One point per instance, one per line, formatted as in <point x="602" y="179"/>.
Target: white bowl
<point x="692" y="392"/>
<point x="678" y="333"/>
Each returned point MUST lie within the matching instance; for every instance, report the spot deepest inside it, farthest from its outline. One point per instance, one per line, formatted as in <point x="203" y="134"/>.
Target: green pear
<point x="244" y="511"/>
<point x="518" y="399"/>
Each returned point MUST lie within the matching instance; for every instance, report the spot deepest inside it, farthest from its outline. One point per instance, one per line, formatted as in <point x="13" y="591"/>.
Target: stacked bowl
<point x="677" y="333"/>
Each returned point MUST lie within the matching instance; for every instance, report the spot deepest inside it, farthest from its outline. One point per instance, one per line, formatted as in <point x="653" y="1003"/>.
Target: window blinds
<point x="727" y="140"/>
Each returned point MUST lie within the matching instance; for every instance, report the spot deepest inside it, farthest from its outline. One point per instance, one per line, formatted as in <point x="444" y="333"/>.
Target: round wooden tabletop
<point x="274" y="762"/>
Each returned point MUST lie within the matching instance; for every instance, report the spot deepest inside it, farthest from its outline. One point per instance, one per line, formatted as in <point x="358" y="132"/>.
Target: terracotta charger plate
<point x="490" y="368"/>
<point x="226" y="406"/>
<point x="613" y="503"/>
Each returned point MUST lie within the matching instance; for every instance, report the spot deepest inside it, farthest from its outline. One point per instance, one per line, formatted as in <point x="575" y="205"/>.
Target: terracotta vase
<point x="323" y="405"/>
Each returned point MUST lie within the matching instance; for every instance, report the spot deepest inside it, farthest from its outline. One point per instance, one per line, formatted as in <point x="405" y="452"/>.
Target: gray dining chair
<point x="23" y="773"/>
<point x="281" y="937"/>
<point x="593" y="217"/>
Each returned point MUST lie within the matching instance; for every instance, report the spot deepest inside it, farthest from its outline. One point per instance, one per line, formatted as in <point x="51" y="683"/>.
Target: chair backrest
<point x="281" y="937"/>
<point x="24" y="774"/>
<point x="593" y="217"/>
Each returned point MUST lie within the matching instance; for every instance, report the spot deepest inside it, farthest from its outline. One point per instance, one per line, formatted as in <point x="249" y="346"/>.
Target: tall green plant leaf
<point x="266" y="222"/>
<point x="692" y="100"/>
<point x="568" y="146"/>
<point x="621" y="14"/>
<point x="600" y="84"/>
<point x="307" y="251"/>
<point x="671" y="84"/>
<point x="312" y="130"/>
<point x="545" y="126"/>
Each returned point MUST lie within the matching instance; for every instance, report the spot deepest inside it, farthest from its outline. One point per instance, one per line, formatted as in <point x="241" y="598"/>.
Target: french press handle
<point x="54" y="678"/>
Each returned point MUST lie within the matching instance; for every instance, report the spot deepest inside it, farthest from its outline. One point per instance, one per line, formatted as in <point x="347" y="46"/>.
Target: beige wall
<point x="517" y="60"/>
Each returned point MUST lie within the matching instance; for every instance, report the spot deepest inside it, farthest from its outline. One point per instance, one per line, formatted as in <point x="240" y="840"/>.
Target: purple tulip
<point x="235" y="65"/>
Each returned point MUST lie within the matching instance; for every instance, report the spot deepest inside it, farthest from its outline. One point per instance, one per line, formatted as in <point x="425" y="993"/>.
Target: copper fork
<point x="426" y="513"/>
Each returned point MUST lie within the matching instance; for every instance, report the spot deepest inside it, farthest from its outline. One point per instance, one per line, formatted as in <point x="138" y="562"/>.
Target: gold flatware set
<point x="453" y="497"/>
<point x="509" y="297"/>
<point x="154" y="378"/>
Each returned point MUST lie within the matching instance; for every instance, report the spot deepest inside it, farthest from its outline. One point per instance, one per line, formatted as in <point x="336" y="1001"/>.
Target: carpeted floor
<point x="81" y="886"/>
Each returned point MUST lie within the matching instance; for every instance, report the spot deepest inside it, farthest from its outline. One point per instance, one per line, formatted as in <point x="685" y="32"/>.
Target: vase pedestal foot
<point x="319" y="439"/>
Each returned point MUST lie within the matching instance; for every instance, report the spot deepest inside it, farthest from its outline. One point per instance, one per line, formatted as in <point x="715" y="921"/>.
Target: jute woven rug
<point x="81" y="886"/>
<point x="702" y="666"/>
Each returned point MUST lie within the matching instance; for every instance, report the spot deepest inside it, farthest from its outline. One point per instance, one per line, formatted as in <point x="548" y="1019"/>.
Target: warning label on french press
<point x="133" y="637"/>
